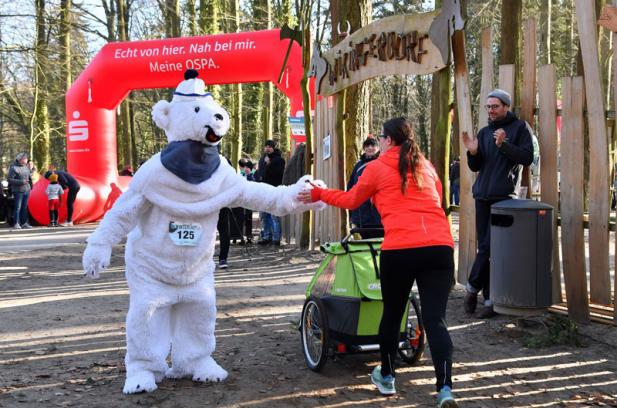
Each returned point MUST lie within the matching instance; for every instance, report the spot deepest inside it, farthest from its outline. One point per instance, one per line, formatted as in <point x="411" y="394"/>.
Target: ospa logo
<point x="374" y="286"/>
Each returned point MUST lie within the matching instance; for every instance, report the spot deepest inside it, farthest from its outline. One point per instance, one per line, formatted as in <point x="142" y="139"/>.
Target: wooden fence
<point x="562" y="169"/>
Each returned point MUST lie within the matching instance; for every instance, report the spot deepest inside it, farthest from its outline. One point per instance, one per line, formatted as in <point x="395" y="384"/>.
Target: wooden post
<point x="506" y="79"/>
<point x="486" y="86"/>
<point x="467" y="221"/>
<point x="600" y="286"/>
<point x="547" y="121"/>
<point x="572" y="238"/>
<point x="615" y="106"/>
<point x="528" y="91"/>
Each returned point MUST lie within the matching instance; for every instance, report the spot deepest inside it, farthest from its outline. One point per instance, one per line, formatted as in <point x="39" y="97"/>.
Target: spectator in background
<point x="224" y="230"/>
<point x="5" y="212"/>
<point x="246" y="170"/>
<point x="20" y="182"/>
<point x="70" y="183"/>
<point x="54" y="197"/>
<point x="497" y="153"/>
<point x="271" y="173"/>
<point x="365" y="216"/>
<point x="455" y="181"/>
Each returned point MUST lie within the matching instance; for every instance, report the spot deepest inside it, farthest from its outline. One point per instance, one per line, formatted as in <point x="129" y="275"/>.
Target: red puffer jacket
<point x="413" y="220"/>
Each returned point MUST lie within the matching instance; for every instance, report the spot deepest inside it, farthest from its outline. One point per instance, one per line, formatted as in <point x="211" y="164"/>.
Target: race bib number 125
<point x="184" y="234"/>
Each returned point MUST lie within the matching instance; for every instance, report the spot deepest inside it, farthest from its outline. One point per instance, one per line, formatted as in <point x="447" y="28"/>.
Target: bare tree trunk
<point x="261" y="20"/>
<point x="125" y="136"/>
<point x="191" y="17"/>
<point x="172" y="8"/>
<point x="284" y="105"/>
<point x="236" y="141"/>
<point x="358" y="13"/>
<point x="209" y="19"/>
<point x="265" y="22"/>
<point x="441" y="98"/>
<point x="545" y="31"/>
<point x="41" y="129"/>
<point x="511" y="14"/>
<point x="209" y="15"/>
<point x="65" y="41"/>
<point x="110" y="18"/>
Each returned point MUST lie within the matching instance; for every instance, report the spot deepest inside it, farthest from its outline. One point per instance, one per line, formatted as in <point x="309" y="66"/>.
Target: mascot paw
<point x="210" y="371"/>
<point x="175" y="373"/>
<point x="141" y="382"/>
<point x="96" y="258"/>
<point x="306" y="183"/>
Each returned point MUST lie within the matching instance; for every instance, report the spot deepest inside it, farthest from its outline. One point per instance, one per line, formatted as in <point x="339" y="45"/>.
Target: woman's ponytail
<point x="401" y="132"/>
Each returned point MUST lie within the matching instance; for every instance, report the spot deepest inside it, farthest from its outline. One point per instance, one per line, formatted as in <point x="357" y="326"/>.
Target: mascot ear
<point x="160" y="113"/>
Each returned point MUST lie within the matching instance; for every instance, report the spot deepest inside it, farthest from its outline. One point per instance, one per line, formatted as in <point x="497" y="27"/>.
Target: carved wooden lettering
<point x="393" y="45"/>
<point x="382" y="44"/>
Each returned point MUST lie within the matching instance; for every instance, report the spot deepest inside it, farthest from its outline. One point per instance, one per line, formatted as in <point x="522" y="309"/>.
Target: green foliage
<point x="556" y="330"/>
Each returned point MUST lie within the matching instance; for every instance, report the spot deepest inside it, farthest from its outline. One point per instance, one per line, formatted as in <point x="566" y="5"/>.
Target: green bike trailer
<point x="344" y="305"/>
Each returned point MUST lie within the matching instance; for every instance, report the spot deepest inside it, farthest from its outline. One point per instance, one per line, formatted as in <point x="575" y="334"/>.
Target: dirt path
<point x="62" y="342"/>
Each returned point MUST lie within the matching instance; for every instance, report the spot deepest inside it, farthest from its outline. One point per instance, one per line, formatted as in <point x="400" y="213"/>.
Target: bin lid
<point x="521" y="205"/>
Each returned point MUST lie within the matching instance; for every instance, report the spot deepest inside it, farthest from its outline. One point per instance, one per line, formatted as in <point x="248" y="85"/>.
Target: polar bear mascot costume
<point x="169" y="215"/>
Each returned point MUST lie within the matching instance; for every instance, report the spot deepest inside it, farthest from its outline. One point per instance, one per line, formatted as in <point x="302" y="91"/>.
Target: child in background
<point x="54" y="193"/>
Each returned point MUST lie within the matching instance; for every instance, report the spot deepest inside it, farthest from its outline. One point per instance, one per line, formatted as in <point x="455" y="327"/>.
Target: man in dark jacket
<point x="20" y="182"/>
<point x="271" y="168"/>
<point x="365" y="216"/>
<point x="67" y="181"/>
<point x="497" y="154"/>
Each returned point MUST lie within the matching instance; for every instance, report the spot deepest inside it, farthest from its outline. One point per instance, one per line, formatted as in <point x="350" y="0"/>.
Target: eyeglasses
<point x="489" y="107"/>
<point x="382" y="136"/>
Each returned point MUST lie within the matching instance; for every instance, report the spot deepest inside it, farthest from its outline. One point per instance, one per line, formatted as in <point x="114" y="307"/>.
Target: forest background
<point x="45" y="44"/>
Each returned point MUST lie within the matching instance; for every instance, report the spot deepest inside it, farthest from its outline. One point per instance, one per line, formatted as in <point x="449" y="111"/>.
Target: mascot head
<point x="192" y="113"/>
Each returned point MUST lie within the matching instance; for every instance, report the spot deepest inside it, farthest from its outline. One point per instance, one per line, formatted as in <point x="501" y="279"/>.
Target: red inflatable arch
<point x="118" y="68"/>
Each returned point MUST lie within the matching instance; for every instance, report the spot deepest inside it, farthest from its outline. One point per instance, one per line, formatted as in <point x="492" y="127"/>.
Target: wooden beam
<point x="506" y="79"/>
<point x="467" y="220"/>
<point x="486" y="86"/>
<point x="547" y="137"/>
<point x="528" y="91"/>
<point x="600" y="287"/>
<point x="572" y="238"/>
<point x="615" y="107"/>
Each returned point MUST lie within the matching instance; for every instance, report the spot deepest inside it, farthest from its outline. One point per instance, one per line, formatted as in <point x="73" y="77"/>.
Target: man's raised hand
<point x="471" y="143"/>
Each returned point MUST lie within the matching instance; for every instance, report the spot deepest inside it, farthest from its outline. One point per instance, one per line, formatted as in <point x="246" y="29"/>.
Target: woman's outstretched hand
<point x="307" y="196"/>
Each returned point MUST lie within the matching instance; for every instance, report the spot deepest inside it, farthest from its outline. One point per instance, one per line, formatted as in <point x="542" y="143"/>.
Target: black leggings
<point x="433" y="268"/>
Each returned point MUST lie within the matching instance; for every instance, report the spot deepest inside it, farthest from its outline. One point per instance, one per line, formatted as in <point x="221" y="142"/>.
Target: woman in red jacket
<point x="417" y="246"/>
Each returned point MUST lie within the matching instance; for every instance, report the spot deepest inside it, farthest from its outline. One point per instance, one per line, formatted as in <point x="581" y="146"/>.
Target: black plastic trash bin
<point x="521" y="255"/>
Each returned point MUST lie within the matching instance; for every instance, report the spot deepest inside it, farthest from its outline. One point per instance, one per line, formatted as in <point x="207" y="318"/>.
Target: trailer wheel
<point x="314" y="333"/>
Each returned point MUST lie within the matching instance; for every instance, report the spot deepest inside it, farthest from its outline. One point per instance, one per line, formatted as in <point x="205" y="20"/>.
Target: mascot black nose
<point x="218" y="116"/>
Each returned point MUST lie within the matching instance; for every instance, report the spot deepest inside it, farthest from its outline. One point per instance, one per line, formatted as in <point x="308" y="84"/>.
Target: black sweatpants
<point x="433" y="269"/>
<point x="480" y="274"/>
<point x="248" y="224"/>
<point x="224" y="232"/>
<point x="70" y="200"/>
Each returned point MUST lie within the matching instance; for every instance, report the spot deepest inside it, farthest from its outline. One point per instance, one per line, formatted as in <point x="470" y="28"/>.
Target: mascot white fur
<point x="169" y="213"/>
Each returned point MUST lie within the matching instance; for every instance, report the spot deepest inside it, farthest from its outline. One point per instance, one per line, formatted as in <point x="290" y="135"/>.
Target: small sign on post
<point x="326" y="147"/>
<point x="297" y="126"/>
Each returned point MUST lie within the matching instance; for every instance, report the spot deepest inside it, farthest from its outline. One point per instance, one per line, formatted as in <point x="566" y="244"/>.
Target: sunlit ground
<point x="62" y="342"/>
